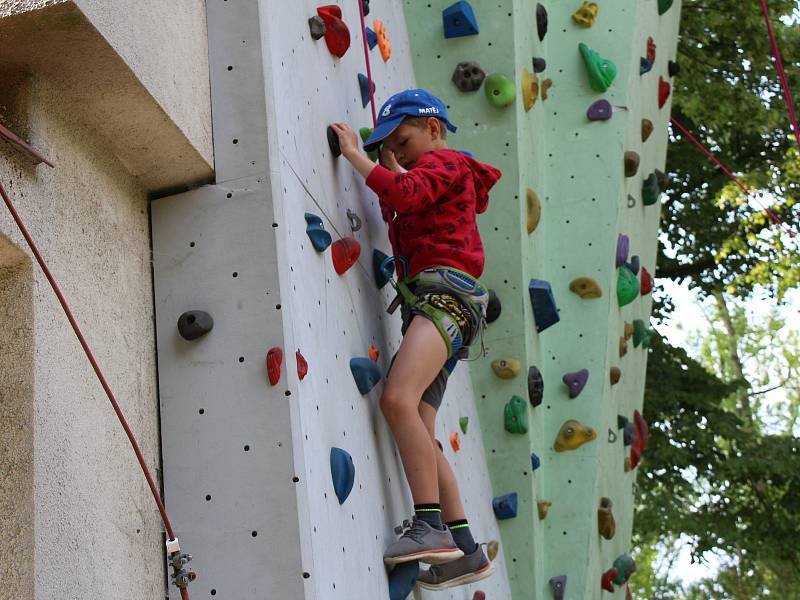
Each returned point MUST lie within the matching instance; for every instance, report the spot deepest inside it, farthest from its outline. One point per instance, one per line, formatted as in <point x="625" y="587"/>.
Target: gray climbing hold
<point x="468" y="76"/>
<point x="317" y="27"/>
<point x="194" y="324"/>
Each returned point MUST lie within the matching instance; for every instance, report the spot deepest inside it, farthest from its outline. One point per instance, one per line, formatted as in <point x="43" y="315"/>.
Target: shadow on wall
<point x="16" y="422"/>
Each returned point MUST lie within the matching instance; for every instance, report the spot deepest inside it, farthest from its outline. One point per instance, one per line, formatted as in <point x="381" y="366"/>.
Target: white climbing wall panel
<point x="246" y="464"/>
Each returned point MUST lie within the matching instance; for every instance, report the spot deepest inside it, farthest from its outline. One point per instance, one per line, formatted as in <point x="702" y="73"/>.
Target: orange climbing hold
<point x="274" y="359"/>
<point x="530" y="89"/>
<point x="345" y="253"/>
<point x="543" y="508"/>
<point x="337" y="35"/>
<point x="455" y="441"/>
<point x="384" y="44"/>
<point x="302" y="365"/>
<point x="374" y="353"/>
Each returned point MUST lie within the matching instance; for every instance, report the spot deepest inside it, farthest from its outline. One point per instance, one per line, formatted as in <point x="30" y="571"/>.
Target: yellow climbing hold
<point x="546" y="85"/>
<point x="506" y="368"/>
<point x="530" y="89"/>
<point x="586" y="14"/>
<point x="586" y="287"/>
<point x="492" y="549"/>
<point x="534" y="210"/>
<point x="543" y="507"/>
<point x="627" y="464"/>
<point x="573" y="434"/>
<point x="628" y="330"/>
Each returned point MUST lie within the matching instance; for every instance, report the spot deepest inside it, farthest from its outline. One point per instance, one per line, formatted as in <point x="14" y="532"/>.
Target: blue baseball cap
<point x="414" y="102"/>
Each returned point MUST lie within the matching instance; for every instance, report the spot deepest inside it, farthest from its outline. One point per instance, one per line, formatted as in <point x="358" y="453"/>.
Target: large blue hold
<point x="320" y="238"/>
<point x="505" y="507"/>
<point x="459" y="20"/>
<point x="402" y="579"/>
<point x="372" y="38"/>
<point x="366" y="373"/>
<point x="343" y="472"/>
<point x="545" y="312"/>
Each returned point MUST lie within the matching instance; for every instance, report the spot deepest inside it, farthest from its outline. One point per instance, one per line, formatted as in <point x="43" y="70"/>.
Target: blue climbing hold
<point x="363" y="84"/>
<point x="459" y="20"/>
<point x="320" y="238"/>
<point x="505" y="507"/>
<point x="628" y="433"/>
<point x="402" y="579"/>
<point x="343" y="472"/>
<point x="366" y="373"/>
<point x="545" y="312"/>
<point x="644" y="66"/>
<point x="372" y="38"/>
<point x="535" y="461"/>
<point x="380" y="274"/>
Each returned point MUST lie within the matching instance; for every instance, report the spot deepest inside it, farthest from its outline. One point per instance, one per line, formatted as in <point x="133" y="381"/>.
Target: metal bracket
<point x="355" y="220"/>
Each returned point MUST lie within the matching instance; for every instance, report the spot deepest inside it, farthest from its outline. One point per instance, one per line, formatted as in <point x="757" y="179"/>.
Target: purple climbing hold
<point x="559" y="586"/>
<point x="539" y="64"/>
<point x="599" y="111"/>
<point x="623" y="246"/>
<point x="576" y="382"/>
<point x="535" y="386"/>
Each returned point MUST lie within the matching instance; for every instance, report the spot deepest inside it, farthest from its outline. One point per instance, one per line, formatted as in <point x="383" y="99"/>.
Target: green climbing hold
<point x="650" y="190"/>
<point x="365" y="132"/>
<point x="627" y="286"/>
<point x="639" y="332"/>
<point x="625" y="566"/>
<point x="664" y="6"/>
<point x="499" y="90"/>
<point x="601" y="72"/>
<point x="463" y="422"/>
<point x="516" y="420"/>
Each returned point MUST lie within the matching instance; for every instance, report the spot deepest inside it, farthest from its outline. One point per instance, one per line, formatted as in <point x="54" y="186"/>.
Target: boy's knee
<point x="393" y="405"/>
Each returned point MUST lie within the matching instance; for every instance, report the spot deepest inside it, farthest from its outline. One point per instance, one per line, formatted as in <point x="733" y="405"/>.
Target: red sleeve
<point x="416" y="189"/>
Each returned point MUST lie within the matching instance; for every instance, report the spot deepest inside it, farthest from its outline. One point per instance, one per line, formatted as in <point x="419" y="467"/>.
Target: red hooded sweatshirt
<point x="431" y="209"/>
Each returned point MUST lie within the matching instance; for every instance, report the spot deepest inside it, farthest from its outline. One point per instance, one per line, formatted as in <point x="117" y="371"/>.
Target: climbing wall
<point x="560" y="213"/>
<point x="247" y="441"/>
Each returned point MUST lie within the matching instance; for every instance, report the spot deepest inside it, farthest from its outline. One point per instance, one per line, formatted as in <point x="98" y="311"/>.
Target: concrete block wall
<point x="576" y="169"/>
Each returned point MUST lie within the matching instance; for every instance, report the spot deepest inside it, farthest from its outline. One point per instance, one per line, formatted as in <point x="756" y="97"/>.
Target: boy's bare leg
<point x="421" y="356"/>
<point x="449" y="496"/>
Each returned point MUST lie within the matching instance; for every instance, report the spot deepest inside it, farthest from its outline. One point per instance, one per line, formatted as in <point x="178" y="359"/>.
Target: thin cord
<point x="369" y="67"/>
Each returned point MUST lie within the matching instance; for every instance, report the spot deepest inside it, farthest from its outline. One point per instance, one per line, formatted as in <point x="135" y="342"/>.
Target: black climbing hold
<point x="468" y="76"/>
<point x="459" y="20"/>
<point x="317" y="27"/>
<point x="381" y="277"/>
<point x="628" y="433"/>
<point x="535" y="386"/>
<point x="673" y="68"/>
<point x="545" y="312"/>
<point x="494" y="308"/>
<point x="333" y="142"/>
<point x="541" y="21"/>
<point x="645" y="66"/>
<point x="365" y="6"/>
<point x="194" y="324"/>
<point x="559" y="586"/>
<point x="539" y="64"/>
<point x="633" y="265"/>
<point x="650" y="190"/>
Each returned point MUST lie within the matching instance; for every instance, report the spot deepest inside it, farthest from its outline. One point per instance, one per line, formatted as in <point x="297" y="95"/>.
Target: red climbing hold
<point x="374" y="353"/>
<point x="651" y="50"/>
<point x="345" y="253"/>
<point x="302" y="365"/>
<point x="664" y="89"/>
<point x="274" y="359"/>
<point x="607" y="580"/>
<point x="646" y="284"/>
<point x="337" y="35"/>
<point x="479" y="595"/>
<point x="640" y="441"/>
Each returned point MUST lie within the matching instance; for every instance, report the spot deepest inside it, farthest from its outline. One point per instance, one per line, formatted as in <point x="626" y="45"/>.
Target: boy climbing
<point x="429" y="195"/>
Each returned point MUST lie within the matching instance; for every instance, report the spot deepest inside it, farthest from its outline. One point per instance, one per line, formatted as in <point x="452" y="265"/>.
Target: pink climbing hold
<point x="345" y="253"/>
<point x="651" y="50"/>
<point x="664" y="89"/>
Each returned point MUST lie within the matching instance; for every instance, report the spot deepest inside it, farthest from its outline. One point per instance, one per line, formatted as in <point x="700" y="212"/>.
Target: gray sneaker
<point x="468" y="569"/>
<point x="422" y="542"/>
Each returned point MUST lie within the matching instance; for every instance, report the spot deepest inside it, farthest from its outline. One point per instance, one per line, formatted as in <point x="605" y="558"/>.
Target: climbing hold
<point x="317" y="27"/>
<point x="381" y="276"/>
<point x="535" y="386"/>
<point x="541" y="21"/>
<point x="639" y="331"/>
<point x="627" y="464"/>
<point x="494" y="308"/>
<point x="366" y="89"/>
<point x="534" y="210"/>
<point x="365" y="7"/>
<point x="479" y="595"/>
<point x="646" y="285"/>
<point x="650" y="190"/>
<point x="374" y="353"/>
<point x="530" y="89"/>
<point x="345" y="253"/>
<point x="459" y="20"/>
<point x="468" y="76"/>
<point x="546" y="85"/>
<point x="365" y="132"/>
<point x="614" y="375"/>
<point x="337" y="35"/>
<point x="492" y="548"/>
<point x="605" y="519"/>
<point x="333" y="142"/>
<point x="372" y="38"/>
<point x="621" y="421"/>
<point x="274" y="359"/>
<point x="586" y="14"/>
<point x="535" y="461"/>
<point x="628" y="593"/>
<point x="194" y="324"/>
<point x="628" y="330"/>
<point x="631" y="163"/>
<point x="631" y="201"/>
<point x="539" y="64"/>
<point x="623" y="247"/>
<point x="628" y="433"/>
<point x="302" y="365"/>
<point x="633" y="264"/>
<point x="627" y="286"/>
<point x="586" y="288"/>
<point x="664" y="89"/>
<point x="576" y="382"/>
<point x="384" y="45"/>
<point x="545" y="312"/>
<point x="499" y="90"/>
<point x="612" y="436"/>
<point x="515" y="416"/>
<point x="607" y="580"/>
<point x="640" y="441"/>
<point x="505" y="507"/>
<point x="572" y="435"/>
<point x="355" y="220"/>
<point x="599" y="111"/>
<point x="455" y="441"/>
<point x="366" y="373"/>
<point x="645" y="66"/>
<point x="647" y="129"/>
<point x="506" y="368"/>
<point x="463" y="422"/>
<point x="543" y="507"/>
<point x="651" y="50"/>
<point x="664" y="6"/>
<point x="623" y="347"/>
<point x="601" y="72"/>
<point x="343" y="472"/>
<point x="402" y="579"/>
<point x="663" y="179"/>
<point x="559" y="586"/>
<point x="625" y="566"/>
<point x="673" y="68"/>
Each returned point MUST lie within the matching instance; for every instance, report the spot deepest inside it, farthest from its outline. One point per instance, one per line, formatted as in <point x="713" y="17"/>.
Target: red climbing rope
<point x="98" y="372"/>
<point x="787" y="93"/>
<point x="733" y="177"/>
<point x="369" y="67"/>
